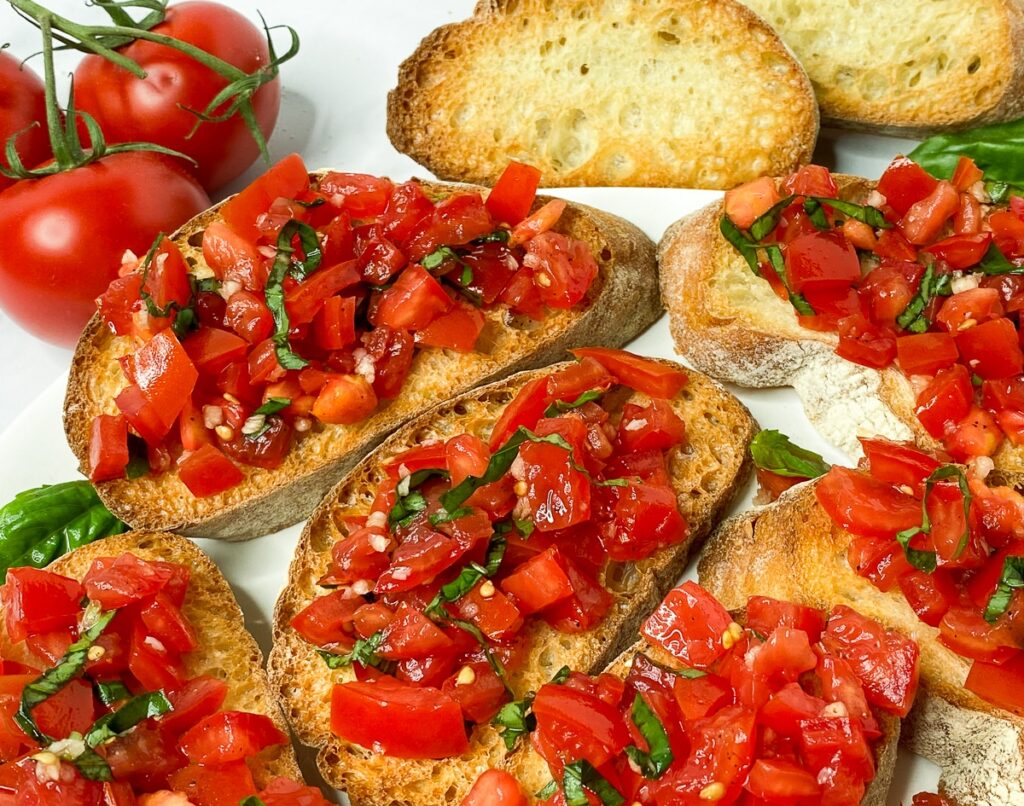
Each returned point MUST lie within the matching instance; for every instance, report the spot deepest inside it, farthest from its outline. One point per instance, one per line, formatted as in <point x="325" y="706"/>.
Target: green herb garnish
<point x="655" y="762"/>
<point x="116" y="723"/>
<point x="926" y="560"/>
<point x="285" y="264"/>
<point x="1010" y="580"/>
<point x="580" y="776"/>
<point x="932" y="285"/>
<point x="773" y="451"/>
<point x="561" y="406"/>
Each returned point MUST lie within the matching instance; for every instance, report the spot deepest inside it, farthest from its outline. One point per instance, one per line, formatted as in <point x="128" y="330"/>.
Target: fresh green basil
<point x="655" y="762"/>
<point x="252" y="800"/>
<point x="816" y="214"/>
<point x="1010" y="580"/>
<point x="110" y="691"/>
<point x="68" y="668"/>
<point x="580" y="776"/>
<point x="409" y="502"/>
<point x="273" y="405"/>
<point x="933" y="285"/>
<point x="515" y="719"/>
<point x="442" y="516"/>
<point x="285" y="264"/>
<point x="998" y="149"/>
<point x="741" y="243"/>
<point x="773" y="451"/>
<point x="43" y="523"/>
<point x="999" y="192"/>
<point x="469" y="576"/>
<point x="438" y="257"/>
<point x="561" y="406"/>
<point x="364" y="653"/>
<point x="547" y="791"/>
<point x="864" y="213"/>
<point x="116" y="723"/>
<point x="765" y="224"/>
<point x="441" y="614"/>
<point x="926" y="560"/>
<point x="994" y="263"/>
<point x="498" y="236"/>
<point x="561" y="675"/>
<point x="798" y="301"/>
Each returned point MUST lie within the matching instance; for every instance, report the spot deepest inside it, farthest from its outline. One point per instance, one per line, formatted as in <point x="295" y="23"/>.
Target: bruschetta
<point x="891" y="307"/>
<point x="778" y="703"/>
<point x="925" y="547"/>
<point x="128" y="677"/>
<point x="232" y="375"/>
<point x="522" y="527"/>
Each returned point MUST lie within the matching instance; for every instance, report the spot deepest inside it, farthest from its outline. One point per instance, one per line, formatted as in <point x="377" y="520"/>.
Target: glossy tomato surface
<point x="22" y="103"/>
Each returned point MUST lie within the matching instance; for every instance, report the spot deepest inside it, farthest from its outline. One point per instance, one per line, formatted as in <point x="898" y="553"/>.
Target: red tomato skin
<point x="811" y="180"/>
<point x="495" y="788"/>
<point x="22" y="102"/>
<point x="945" y="401"/>
<point x="156" y="109"/>
<point x="229" y="736"/>
<point x="198" y="698"/>
<point x="925" y="353"/>
<point x="961" y="251"/>
<point x="1001" y="685"/>
<point x="345" y="399"/>
<point x="512" y="196"/>
<point x="37" y="601"/>
<point x="116" y="582"/>
<point x="765" y="614"/>
<point x="646" y="375"/>
<point x="904" y="183"/>
<point x="525" y="409"/>
<point x="210" y="786"/>
<point x="403" y="721"/>
<point x="108" y="447"/>
<point x="209" y="472"/>
<point x="746" y="203"/>
<point x="821" y="258"/>
<point x="926" y="218"/>
<point x="689" y="624"/>
<point x="865" y="506"/>
<point x="897" y="462"/>
<point x="992" y="349"/>
<point x="45" y="284"/>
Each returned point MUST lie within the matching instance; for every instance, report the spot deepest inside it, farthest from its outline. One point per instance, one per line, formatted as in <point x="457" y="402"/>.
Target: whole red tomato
<point x="155" y="109"/>
<point x="63" y="235"/>
<point x="22" y="102"/>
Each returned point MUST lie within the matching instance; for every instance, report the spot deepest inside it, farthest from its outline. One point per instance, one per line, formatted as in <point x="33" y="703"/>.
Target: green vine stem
<point x="103" y="40"/>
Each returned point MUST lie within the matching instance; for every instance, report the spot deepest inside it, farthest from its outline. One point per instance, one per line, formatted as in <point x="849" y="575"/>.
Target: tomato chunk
<point x="108" y="447"/>
<point x="821" y="258"/>
<point x="513" y="194"/>
<point x="646" y="375"/>
<point x="229" y="736"/>
<point x="689" y="624"/>
<point x="865" y="506"/>
<point x="209" y="472"/>
<point x="37" y="601"/>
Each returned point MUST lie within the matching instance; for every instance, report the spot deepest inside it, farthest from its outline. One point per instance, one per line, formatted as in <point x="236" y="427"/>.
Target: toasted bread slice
<point x="792" y="550"/>
<point x="226" y="649"/>
<point x="666" y="93"/>
<point x="532" y="772"/>
<point x="729" y="323"/>
<point x="707" y="474"/>
<point x="907" y="66"/>
<point x="622" y="301"/>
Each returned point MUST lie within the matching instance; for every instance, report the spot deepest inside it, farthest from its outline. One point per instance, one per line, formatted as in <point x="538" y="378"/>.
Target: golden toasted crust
<point x="664" y="93"/>
<point x="730" y="324"/>
<point x="792" y="550"/>
<point x="226" y="650"/>
<point x="908" y="67"/>
<point x="621" y="303"/>
<point x="707" y="473"/>
<point x="533" y="774"/>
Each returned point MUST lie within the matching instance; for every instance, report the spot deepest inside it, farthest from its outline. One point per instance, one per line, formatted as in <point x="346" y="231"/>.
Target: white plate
<point x="333" y="113"/>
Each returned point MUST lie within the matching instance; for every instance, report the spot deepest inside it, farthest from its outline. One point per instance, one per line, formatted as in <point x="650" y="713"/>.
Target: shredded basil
<point x="547" y="791"/>
<point x="999" y="192"/>
<point x="815" y="212"/>
<point x="114" y="724"/>
<point x="441" y="613"/>
<point x="436" y="258"/>
<point x="409" y="502"/>
<point x="469" y="576"/>
<point x="995" y="263"/>
<point x="498" y="236"/>
<point x="561" y="407"/>
<point x="285" y="264"/>
<point x="773" y="451"/>
<point x="998" y="149"/>
<point x="561" y="675"/>
<point x="252" y="800"/>
<point x="110" y="691"/>
<point x="926" y="560"/>
<point x="580" y="776"/>
<point x="138" y="458"/>
<point x="273" y="405"/>
<point x="364" y="653"/>
<point x="932" y="285"/>
<point x="798" y="301"/>
<point x="655" y="762"/>
<point x="1010" y="580"/>
<point x="741" y="242"/>
<point x="515" y="719"/>
<point x="766" y="223"/>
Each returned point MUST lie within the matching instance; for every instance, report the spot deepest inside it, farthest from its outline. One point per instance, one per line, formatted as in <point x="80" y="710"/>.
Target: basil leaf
<point x="110" y="691"/>
<point x="498" y="236"/>
<point x="92" y="766"/>
<point x="999" y="192"/>
<point x="469" y="576"/>
<point x="561" y="407"/>
<point x="864" y="213"/>
<point x="932" y="285"/>
<point x="740" y="242"/>
<point x="582" y="774"/>
<point x="766" y="223"/>
<point x="112" y="725"/>
<point x="1011" y="579"/>
<point x="285" y="264"/>
<point x="550" y="789"/>
<point x="515" y="719"/>
<point x="439" y="256"/>
<point x="408" y="501"/>
<point x="655" y="762"/>
<point x="485" y="645"/>
<point x="561" y="675"/>
<point x="68" y="668"/>
<point x="926" y="560"/>
<point x="43" y="523"/>
<point x="798" y="301"/>
<point x="253" y="800"/>
<point x="773" y="451"/>
<point x="273" y="405"/>
<point x="815" y="212"/>
<point x="998" y="149"/>
<point x="995" y="263"/>
<point x="138" y="458"/>
<point x="441" y="516"/>
<point x="524" y="527"/>
<point x="364" y="653"/>
<point x="207" y="284"/>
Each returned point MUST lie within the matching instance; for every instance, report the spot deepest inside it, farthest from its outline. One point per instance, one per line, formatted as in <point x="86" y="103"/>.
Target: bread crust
<point x="622" y="302"/>
<point x="226" y="649"/>
<point x="792" y="550"/>
<point x="707" y="474"/>
<point x="573" y="112"/>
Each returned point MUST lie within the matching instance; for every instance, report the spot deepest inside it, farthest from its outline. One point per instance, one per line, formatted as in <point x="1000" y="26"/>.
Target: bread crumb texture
<point x="906" y="64"/>
<point x="695" y="93"/>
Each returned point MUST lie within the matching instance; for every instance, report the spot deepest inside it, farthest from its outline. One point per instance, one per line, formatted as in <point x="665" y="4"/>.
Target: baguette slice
<point x="669" y="93"/>
<point x="730" y="324"/>
<point x="622" y="302"/>
<point x="532" y="772"/>
<point x="792" y="550"/>
<point x="226" y="649"/>
<point x="907" y="67"/>
<point x="707" y="474"/>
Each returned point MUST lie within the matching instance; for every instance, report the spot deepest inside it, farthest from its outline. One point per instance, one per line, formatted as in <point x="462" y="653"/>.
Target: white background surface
<point x="333" y="113"/>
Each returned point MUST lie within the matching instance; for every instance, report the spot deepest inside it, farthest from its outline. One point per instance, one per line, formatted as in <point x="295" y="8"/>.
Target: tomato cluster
<point x="317" y="298"/>
<point x="950" y="543"/>
<point x="189" y="745"/>
<point x="925" y="276"/>
<point x="432" y="589"/>
<point x="781" y="711"/>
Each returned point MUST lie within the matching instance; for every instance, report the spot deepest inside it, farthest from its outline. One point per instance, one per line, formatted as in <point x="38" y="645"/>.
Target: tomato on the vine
<point x="156" y="108"/>
<point x="22" y="103"/>
<point x="64" y="235"/>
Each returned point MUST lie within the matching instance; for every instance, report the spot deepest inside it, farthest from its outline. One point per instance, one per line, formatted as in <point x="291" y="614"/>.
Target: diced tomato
<point x="899" y="463"/>
<point x="745" y="204"/>
<point x="304" y="300"/>
<point x="781" y="781"/>
<point x="233" y="256"/>
<point x="328" y="619"/>
<point x="212" y="349"/>
<point x="286" y="792"/>
<point x="345" y="399"/>
<point x="214" y="786"/>
<point x="167" y="280"/>
<point x="249" y="317"/>
<point x="117" y="304"/>
<point x="526" y="408"/>
<point x="974" y="305"/>
<point x="563" y="268"/>
<point x="165" y="376"/>
<point x="861" y="235"/>
<point x="811" y="180"/>
<point x="495" y="788"/>
<point x="167" y="624"/>
<point x="334" y="326"/>
<point x="153" y="664"/>
<point x="1002" y="685"/>
<point x="865" y="343"/>
<point x="379" y="260"/>
<point x="889" y="289"/>
<point x="865" y="506"/>
<point x="652" y="427"/>
<point x="765" y="614"/>
<point x="208" y="472"/>
<point x="587" y="606"/>
<point x="539" y="582"/>
<point x="645" y="519"/>
<point x="540" y="221"/>
<point x="945" y="401"/>
<point x="977" y="434"/>
<point x="455" y="221"/>
<point x="966" y="174"/>
<point x="878" y="559"/>
<point x="229" y="736"/>
<point x="926" y="218"/>
<point x="406" y="208"/>
<point x="198" y="698"/>
<point x="420" y="557"/>
<point x="893" y="246"/>
<point x="37" y="601"/>
<point x="829" y="742"/>
<point x="115" y="583"/>
<point x="481" y="696"/>
<point x="108" y="447"/>
<point x="689" y="624"/>
<point x="287" y="179"/>
<point x="495" y="614"/>
<point x="558" y="494"/>
<point x="925" y="353"/>
<point x="361" y="195"/>
<point x="513" y="194"/>
<point x="410" y="635"/>
<point x="465" y="455"/>
<point x="578" y="725"/>
<point x="992" y="349"/>
<point x="1007" y="231"/>
<point x="929" y="595"/>
<point x="821" y="258"/>
<point x="391" y="351"/>
<point x="967" y="220"/>
<point x="961" y="251"/>
<point x="458" y="329"/>
<point x="401" y="720"/>
<point x="905" y="183"/>
<point x="647" y="375"/>
<point x="963" y="630"/>
<point x="522" y="295"/>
